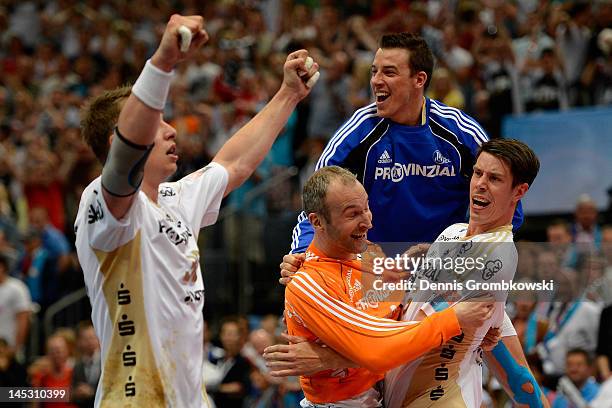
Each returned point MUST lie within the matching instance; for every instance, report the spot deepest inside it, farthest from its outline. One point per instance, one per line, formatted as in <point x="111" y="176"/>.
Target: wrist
<point x="288" y="95"/>
<point x="152" y="86"/>
<point x="160" y="63"/>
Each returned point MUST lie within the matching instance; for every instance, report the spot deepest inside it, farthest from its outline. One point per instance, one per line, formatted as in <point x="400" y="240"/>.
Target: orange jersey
<point x="323" y="303"/>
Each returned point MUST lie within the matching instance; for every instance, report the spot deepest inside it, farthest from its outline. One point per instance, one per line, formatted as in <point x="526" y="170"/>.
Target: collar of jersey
<point x="320" y="256"/>
<point x="503" y="228"/>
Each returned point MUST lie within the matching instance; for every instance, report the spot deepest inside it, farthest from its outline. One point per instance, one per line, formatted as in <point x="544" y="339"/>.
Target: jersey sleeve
<point x="22" y="300"/>
<point x="103" y="231"/>
<point x="302" y="235"/>
<point x="377" y="344"/>
<point x="507" y="328"/>
<point x="200" y="194"/>
<point x="346" y="138"/>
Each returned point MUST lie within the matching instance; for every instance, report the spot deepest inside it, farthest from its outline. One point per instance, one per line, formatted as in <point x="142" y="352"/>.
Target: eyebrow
<point x="494" y="173"/>
<point x="394" y="67"/>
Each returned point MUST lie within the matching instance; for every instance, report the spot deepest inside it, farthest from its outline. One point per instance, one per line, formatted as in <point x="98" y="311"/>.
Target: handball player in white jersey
<point x="136" y="235"/>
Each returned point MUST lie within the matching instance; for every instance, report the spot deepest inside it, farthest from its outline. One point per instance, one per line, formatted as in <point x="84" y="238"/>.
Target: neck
<point x="412" y="116"/>
<point x="150" y="189"/>
<point x="330" y="250"/>
<point x="481" y="228"/>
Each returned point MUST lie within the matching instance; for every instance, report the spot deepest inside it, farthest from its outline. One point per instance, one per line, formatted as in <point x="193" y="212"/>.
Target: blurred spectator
<point x="530" y="328"/>
<point x="253" y="350"/>
<point x="12" y="373"/>
<point x="87" y="369"/>
<point x="585" y="231"/>
<point x="546" y="84"/>
<point x="573" y="324"/>
<point x="54" y="369"/>
<point x="270" y="324"/>
<point x="572" y="36"/>
<point x="329" y="106"/>
<point x="444" y="89"/>
<point x="597" y="75"/>
<point x="578" y="371"/>
<point x="499" y="77"/>
<point x="53" y="240"/>
<point x="559" y="236"/>
<point x="15" y="308"/>
<point x="234" y="385"/>
<point x="36" y="268"/>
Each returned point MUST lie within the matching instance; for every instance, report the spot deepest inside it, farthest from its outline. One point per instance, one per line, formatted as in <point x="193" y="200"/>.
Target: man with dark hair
<point x="413" y="155"/>
<point x="577" y="387"/>
<point x="138" y="246"/>
<point x="502" y="174"/>
<point x="87" y="368"/>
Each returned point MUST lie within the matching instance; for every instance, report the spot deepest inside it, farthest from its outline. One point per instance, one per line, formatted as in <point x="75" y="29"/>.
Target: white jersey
<point x="14" y="299"/>
<point x="145" y="286"/>
<point x="451" y="375"/>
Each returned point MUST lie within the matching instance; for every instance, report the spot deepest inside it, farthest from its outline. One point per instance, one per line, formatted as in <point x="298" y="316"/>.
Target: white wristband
<point x="152" y="86"/>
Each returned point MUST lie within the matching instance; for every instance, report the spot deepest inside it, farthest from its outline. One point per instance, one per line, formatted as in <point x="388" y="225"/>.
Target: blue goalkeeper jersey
<point x="417" y="177"/>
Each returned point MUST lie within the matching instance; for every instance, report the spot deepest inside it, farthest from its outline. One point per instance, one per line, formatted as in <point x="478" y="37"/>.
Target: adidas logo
<point x="384" y="158"/>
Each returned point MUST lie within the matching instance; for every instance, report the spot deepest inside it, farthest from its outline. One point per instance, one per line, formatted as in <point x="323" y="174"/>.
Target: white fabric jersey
<point x="14" y="298"/>
<point x="145" y="286"/>
<point x="451" y="375"/>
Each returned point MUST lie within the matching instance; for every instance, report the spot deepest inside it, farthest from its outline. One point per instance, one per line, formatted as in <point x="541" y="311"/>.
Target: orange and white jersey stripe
<point x="322" y="304"/>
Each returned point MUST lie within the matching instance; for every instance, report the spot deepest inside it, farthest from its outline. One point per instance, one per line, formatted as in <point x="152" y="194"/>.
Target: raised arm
<point x="244" y="151"/>
<point x="140" y="116"/>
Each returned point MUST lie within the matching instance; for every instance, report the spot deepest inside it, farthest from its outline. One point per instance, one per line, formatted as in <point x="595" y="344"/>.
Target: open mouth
<point x="382" y="96"/>
<point x="171" y="150"/>
<point x="480" y="202"/>
<point x="359" y="236"/>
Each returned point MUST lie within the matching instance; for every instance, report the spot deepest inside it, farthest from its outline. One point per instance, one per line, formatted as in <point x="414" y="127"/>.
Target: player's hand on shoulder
<point x="289" y="266"/>
<point x="175" y="45"/>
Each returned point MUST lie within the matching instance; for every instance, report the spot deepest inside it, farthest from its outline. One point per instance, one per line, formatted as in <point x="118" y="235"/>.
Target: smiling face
<point x="492" y="197"/>
<point x="343" y="234"/>
<point x="395" y="86"/>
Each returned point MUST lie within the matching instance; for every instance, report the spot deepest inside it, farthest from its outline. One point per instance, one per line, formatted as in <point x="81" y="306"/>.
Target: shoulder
<point x="317" y="278"/>
<point x="454" y="120"/>
<point x="18" y="287"/>
<point x="362" y="120"/>
<point x="453" y="232"/>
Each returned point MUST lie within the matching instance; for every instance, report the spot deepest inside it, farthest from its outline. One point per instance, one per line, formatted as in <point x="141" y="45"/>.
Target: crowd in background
<point x="493" y="58"/>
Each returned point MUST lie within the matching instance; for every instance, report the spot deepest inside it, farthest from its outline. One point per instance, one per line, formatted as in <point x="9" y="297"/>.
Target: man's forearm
<point x="510" y="367"/>
<point x="244" y="151"/>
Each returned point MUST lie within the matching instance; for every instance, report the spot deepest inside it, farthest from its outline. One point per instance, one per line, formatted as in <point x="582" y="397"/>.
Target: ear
<point x="315" y="220"/>
<point x="520" y="191"/>
<point x="420" y="79"/>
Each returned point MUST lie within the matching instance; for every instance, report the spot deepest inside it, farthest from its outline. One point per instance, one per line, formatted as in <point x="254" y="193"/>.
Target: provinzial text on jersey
<point x="399" y="171"/>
